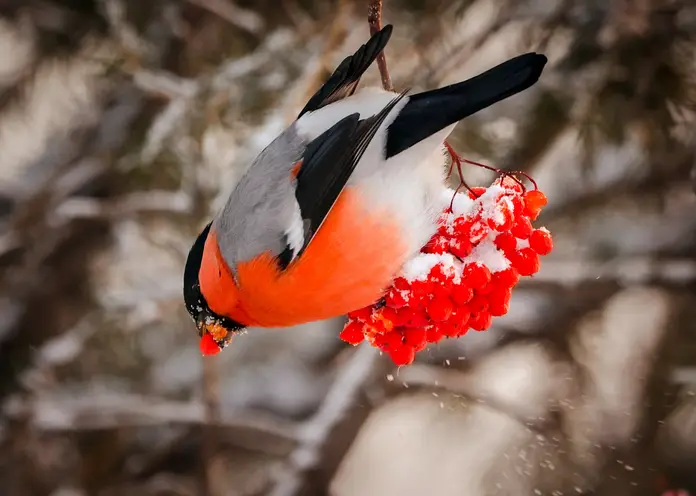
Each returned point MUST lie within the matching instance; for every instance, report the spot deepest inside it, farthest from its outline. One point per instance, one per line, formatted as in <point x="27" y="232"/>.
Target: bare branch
<point x="125" y="32"/>
<point x="163" y="126"/>
<point x="166" y="84"/>
<point x="244" y="19"/>
<point x="109" y="411"/>
<point x="374" y="19"/>
<point x="138" y="202"/>
<point x="313" y="434"/>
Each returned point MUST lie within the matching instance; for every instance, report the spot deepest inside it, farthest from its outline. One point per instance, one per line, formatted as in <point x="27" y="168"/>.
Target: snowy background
<point x="123" y="125"/>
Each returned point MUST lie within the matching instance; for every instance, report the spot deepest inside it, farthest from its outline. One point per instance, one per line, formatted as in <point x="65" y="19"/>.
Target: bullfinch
<point x="327" y="214"/>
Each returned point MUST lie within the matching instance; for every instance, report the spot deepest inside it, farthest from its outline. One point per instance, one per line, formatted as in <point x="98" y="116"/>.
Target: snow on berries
<point x="463" y="276"/>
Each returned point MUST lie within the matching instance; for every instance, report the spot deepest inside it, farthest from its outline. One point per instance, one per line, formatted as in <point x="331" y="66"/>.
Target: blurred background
<point x="124" y="124"/>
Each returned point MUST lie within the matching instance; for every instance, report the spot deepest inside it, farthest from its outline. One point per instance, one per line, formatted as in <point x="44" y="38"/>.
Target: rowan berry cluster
<point x="463" y="277"/>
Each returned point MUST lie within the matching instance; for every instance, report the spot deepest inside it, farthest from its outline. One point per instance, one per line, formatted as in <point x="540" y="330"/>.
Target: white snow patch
<point x="487" y="254"/>
<point x="522" y="243"/>
<point x="418" y="268"/>
<point x="461" y="204"/>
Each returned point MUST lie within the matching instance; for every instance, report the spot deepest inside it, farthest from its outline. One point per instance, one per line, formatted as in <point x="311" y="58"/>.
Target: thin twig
<point x="374" y="19"/>
<point x="165" y="84"/>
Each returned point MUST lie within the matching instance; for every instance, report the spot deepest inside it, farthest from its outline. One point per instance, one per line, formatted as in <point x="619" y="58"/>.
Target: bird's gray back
<point x="261" y="207"/>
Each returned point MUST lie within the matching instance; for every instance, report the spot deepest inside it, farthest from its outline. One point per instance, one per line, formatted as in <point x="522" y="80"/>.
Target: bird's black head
<point x="212" y="328"/>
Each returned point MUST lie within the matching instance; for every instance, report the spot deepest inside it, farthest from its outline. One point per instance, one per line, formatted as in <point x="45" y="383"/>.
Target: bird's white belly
<point x="410" y="194"/>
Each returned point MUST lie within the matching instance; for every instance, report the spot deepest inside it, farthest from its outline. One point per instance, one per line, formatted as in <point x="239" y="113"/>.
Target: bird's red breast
<point x="352" y="258"/>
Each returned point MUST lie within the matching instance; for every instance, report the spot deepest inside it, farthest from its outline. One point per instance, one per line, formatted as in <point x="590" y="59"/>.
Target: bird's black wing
<point x="345" y="78"/>
<point x="327" y="164"/>
<point x="431" y="111"/>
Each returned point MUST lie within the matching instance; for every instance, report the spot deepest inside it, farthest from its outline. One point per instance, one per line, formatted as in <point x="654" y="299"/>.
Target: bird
<point x="328" y="213"/>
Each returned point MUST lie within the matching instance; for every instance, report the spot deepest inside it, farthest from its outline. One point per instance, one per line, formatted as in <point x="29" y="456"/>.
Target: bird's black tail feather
<point x="431" y="111"/>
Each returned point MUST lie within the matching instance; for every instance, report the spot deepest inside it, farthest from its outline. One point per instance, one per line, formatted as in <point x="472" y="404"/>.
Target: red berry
<point x="361" y="314"/>
<point x="462" y="227"/>
<point x="376" y="326"/>
<point x="461" y="294"/>
<point x="502" y="218"/>
<point x="534" y="201"/>
<point x="498" y="309"/>
<point x="415" y="337"/>
<point x="396" y="298"/>
<point x="388" y="315"/>
<point x="439" y="274"/>
<point x="401" y="283"/>
<point x="460" y="248"/>
<point x="208" y="346"/>
<point x="402" y="355"/>
<point x="403" y="315"/>
<point x="522" y="228"/>
<point x="499" y="301"/>
<point x="389" y="340"/>
<point x="418" y="319"/>
<point x="506" y="278"/>
<point x="510" y="184"/>
<point x="460" y="318"/>
<point x="419" y="301"/>
<point x="440" y="309"/>
<point x="487" y="288"/>
<point x="506" y="242"/>
<point x="436" y="244"/>
<point x="500" y="295"/>
<point x="448" y="329"/>
<point x="433" y="334"/>
<point x="478" y="304"/>
<point x="476" y="275"/>
<point x="421" y="288"/>
<point x="480" y="321"/>
<point x="352" y="333"/>
<point x="526" y="261"/>
<point x="540" y="241"/>
<point x="476" y="192"/>
<point x="478" y="231"/>
<point x="442" y="290"/>
<point x="463" y="330"/>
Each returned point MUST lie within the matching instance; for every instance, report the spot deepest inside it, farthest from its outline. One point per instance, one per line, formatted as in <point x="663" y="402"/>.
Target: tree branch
<point x="313" y="434"/>
<point x="374" y="19"/>
<point x="244" y="19"/>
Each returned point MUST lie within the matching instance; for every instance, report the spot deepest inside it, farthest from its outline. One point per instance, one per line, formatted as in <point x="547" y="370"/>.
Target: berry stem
<point x="510" y="174"/>
<point x="456" y="160"/>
